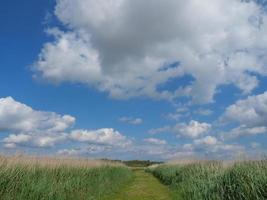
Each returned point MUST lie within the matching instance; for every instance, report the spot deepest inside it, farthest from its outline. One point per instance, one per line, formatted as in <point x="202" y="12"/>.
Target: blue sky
<point x="109" y="79"/>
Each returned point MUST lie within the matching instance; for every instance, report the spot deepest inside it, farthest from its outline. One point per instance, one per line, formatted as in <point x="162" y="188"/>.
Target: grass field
<point x="60" y="179"/>
<point x="143" y="187"/>
<point x="29" y="178"/>
<point x="215" y="180"/>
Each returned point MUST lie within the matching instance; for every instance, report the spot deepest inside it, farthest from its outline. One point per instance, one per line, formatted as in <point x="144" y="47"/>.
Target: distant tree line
<point x="136" y="163"/>
<point x="140" y="163"/>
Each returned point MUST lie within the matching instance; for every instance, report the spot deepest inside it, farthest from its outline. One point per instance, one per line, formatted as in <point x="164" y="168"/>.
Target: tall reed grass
<point x="216" y="180"/>
<point x="29" y="178"/>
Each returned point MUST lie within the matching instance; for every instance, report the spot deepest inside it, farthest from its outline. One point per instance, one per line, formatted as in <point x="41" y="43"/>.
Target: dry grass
<point x="31" y="178"/>
<point x="222" y="163"/>
<point x="54" y="162"/>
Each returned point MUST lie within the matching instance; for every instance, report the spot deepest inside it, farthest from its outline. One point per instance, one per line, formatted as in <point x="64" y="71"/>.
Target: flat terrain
<point x="144" y="187"/>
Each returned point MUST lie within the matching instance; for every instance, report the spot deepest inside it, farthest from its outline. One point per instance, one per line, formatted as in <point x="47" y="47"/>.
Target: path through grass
<point x="144" y="187"/>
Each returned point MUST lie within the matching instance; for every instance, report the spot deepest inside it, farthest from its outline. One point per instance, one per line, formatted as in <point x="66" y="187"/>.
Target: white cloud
<point x="118" y="47"/>
<point x="208" y="146"/>
<point x="80" y="63"/>
<point x="155" y="141"/>
<point x="100" y="136"/>
<point x="213" y="147"/>
<point x="193" y="129"/>
<point x="90" y="150"/>
<point x="206" y="141"/>
<point x="245" y="131"/>
<point x="18" y="117"/>
<point x="131" y="120"/>
<point x="41" y="140"/>
<point x="10" y="145"/>
<point x="30" y="128"/>
<point x="22" y="138"/>
<point x="250" y="112"/>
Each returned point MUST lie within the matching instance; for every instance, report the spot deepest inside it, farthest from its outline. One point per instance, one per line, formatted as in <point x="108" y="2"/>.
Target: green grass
<point x="61" y="183"/>
<point x="143" y="187"/>
<point x="22" y="179"/>
<point x="214" y="181"/>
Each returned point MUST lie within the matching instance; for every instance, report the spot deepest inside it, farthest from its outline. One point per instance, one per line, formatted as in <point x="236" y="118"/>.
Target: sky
<point x="123" y="79"/>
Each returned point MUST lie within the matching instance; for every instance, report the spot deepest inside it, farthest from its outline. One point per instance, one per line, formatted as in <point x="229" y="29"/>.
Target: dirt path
<point x="144" y="187"/>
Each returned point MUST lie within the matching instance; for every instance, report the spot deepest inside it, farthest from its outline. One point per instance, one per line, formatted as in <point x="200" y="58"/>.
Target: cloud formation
<point x="193" y="129"/>
<point x="30" y="128"/>
<point x="251" y="111"/>
<point x="118" y="47"/>
<point x="100" y="136"/>
<point x="250" y="114"/>
<point x="18" y="117"/>
<point x="39" y="140"/>
<point x="214" y="148"/>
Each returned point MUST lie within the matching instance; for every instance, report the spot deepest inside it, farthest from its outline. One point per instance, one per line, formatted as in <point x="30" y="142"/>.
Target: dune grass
<point x="50" y="179"/>
<point x="216" y="180"/>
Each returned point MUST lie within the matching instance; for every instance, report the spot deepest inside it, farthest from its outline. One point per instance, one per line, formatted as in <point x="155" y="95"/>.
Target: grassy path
<point x="144" y="187"/>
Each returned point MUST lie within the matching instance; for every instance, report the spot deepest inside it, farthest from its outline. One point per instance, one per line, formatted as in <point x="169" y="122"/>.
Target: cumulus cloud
<point x="193" y="129"/>
<point x="22" y="138"/>
<point x="18" y="117"/>
<point x="213" y="147"/>
<point x="118" y="47"/>
<point x="40" y="140"/>
<point x="153" y="148"/>
<point x="31" y="128"/>
<point x="100" y="139"/>
<point x="243" y="130"/>
<point x="90" y="150"/>
<point x="131" y="120"/>
<point x="155" y="141"/>
<point x="100" y="136"/>
<point x="250" y="114"/>
<point x="206" y="141"/>
<point x="97" y="141"/>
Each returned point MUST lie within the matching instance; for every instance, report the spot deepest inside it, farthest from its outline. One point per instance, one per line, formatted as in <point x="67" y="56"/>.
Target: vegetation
<point x="25" y="178"/>
<point x="216" y="180"/>
<point x="140" y="163"/>
<point x="134" y="163"/>
<point x="143" y="187"/>
<point x="45" y="179"/>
